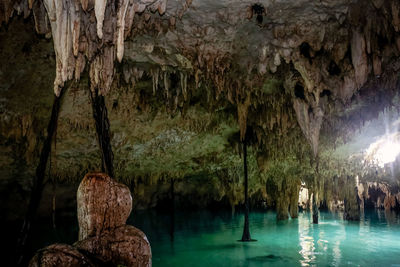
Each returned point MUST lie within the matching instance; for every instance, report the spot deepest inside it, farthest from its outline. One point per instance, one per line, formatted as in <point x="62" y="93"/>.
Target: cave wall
<point x="182" y="88"/>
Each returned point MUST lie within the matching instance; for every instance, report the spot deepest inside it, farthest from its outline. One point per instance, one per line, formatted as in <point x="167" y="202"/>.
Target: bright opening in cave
<point x="383" y="151"/>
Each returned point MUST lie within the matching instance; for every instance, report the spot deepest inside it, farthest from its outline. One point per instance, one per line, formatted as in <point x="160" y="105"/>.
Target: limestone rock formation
<point x="104" y="239"/>
<point x="380" y="195"/>
<point x="103" y="204"/>
<point x="60" y="255"/>
<point x="125" y="245"/>
<point x="327" y="48"/>
<point x="351" y="205"/>
<point x="303" y="75"/>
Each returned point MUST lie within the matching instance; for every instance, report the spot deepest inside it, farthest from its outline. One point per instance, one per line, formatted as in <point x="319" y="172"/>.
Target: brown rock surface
<point x="103" y="208"/>
<point x="59" y="255"/>
<point x="103" y="204"/>
<point x="125" y="245"/>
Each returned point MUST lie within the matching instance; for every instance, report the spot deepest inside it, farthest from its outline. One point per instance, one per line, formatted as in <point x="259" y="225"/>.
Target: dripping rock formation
<point x="310" y="84"/>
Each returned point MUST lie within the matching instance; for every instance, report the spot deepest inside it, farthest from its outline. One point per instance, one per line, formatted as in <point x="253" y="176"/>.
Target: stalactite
<point x="310" y="121"/>
<point x="155" y="76"/>
<point x="102" y="71"/>
<point x="353" y="53"/>
<point x="183" y="79"/>
<point x="359" y="58"/>
<point x="99" y="10"/>
<point x="129" y="15"/>
<point x="75" y="25"/>
<point x="162" y="6"/>
<point x="166" y="83"/>
<point x="42" y="24"/>
<point x="122" y="8"/>
<point x="60" y="13"/>
<point x="68" y="17"/>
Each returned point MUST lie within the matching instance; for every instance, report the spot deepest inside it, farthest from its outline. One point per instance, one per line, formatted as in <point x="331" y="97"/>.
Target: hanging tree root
<point x="246" y="229"/>
<point x="103" y="131"/>
<point x="315" y="208"/>
<point x="38" y="181"/>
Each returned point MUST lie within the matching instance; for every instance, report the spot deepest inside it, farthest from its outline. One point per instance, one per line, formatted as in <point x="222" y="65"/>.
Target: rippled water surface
<point x="210" y="239"/>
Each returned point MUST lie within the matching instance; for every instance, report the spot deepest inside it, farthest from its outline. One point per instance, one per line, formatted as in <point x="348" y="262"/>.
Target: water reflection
<point x="317" y="242"/>
<point x="205" y="238"/>
<point x="306" y="242"/>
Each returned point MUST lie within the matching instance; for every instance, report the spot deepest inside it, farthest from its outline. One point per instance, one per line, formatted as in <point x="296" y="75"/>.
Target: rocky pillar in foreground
<point x="103" y="204"/>
<point x="60" y="255"/>
<point x="104" y="239"/>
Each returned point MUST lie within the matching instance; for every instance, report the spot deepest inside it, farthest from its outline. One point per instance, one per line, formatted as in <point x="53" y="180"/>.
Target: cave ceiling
<point x="284" y="69"/>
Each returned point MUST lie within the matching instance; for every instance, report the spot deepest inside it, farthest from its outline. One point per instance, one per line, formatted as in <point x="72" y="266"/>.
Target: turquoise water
<point x="210" y="239"/>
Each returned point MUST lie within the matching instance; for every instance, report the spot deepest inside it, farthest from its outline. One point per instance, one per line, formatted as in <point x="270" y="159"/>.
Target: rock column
<point x="104" y="206"/>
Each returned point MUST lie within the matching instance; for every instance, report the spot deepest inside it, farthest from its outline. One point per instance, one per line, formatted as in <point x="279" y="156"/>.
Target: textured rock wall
<point x="301" y="71"/>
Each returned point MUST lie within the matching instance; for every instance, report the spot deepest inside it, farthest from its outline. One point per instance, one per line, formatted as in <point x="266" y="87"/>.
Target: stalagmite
<point x="104" y="238"/>
<point x="103" y="204"/>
